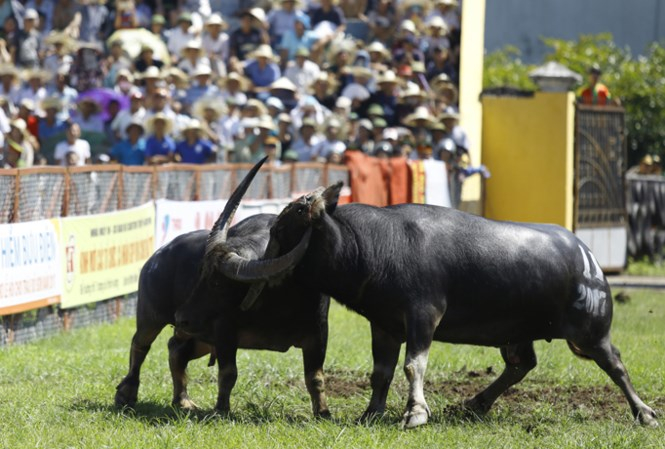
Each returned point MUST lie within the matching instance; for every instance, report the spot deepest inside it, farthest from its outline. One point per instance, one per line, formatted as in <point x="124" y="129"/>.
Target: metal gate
<point x="600" y="158"/>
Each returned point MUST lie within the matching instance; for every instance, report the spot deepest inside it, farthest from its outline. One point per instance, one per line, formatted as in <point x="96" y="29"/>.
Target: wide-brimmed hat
<point x="244" y="83"/>
<point x="324" y="77"/>
<point x="256" y="13"/>
<point x="179" y="78"/>
<point x="185" y="17"/>
<point x="192" y="44"/>
<point x="216" y="20"/>
<point x="437" y="22"/>
<point x="61" y="38"/>
<point x="31" y="14"/>
<point x="203" y="103"/>
<point x="449" y="113"/>
<point x="441" y="78"/>
<point x="193" y="124"/>
<point x="160" y="116"/>
<point x="27" y="103"/>
<point x="9" y="70"/>
<point x="302" y="52"/>
<point x="409" y="25"/>
<point x="359" y="71"/>
<point x="262" y="51"/>
<point x="388" y="77"/>
<point x="201" y="70"/>
<point x="19" y="124"/>
<point x="447" y="2"/>
<point x="51" y="103"/>
<point x="283" y="83"/>
<point x="258" y="105"/>
<point x="412" y="90"/>
<point x="378" y="47"/>
<point x="43" y="75"/>
<point x="150" y="73"/>
<point x="126" y="73"/>
<point x="284" y="118"/>
<point x="421" y="116"/>
<point x="266" y="122"/>
<point x="275" y="102"/>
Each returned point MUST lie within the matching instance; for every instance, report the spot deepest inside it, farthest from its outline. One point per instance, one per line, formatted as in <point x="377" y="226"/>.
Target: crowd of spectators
<point x="151" y="82"/>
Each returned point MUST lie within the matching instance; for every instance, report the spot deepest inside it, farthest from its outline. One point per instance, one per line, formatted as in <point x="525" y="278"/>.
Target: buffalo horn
<point x="221" y="227"/>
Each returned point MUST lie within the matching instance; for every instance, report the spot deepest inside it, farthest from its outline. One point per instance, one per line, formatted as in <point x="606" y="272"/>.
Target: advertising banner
<point x="103" y="254"/>
<point x="173" y="218"/>
<point x="30" y="275"/>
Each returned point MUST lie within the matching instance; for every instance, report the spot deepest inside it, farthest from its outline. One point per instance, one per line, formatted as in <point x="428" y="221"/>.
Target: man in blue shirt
<point x="194" y="149"/>
<point x="159" y="147"/>
<point x="298" y="37"/>
<point x="130" y="151"/>
<point x="262" y="70"/>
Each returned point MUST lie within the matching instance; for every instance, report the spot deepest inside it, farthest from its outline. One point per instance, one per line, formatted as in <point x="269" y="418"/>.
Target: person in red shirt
<point x="595" y="92"/>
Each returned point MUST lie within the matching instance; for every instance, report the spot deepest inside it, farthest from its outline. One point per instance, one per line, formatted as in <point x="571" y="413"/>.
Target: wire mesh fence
<point x="8" y="189"/>
<point x="307" y="177"/>
<point x="41" y="192"/>
<point x="260" y="187"/>
<point x="92" y="191"/>
<point x="179" y="184"/>
<point x="216" y="183"/>
<point x="137" y="186"/>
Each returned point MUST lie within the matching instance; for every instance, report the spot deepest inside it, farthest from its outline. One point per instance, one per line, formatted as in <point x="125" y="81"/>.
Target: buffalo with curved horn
<point x="197" y="275"/>
<point x="420" y="273"/>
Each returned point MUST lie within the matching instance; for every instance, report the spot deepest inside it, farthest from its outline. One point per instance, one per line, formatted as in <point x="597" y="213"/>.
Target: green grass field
<point x="58" y="393"/>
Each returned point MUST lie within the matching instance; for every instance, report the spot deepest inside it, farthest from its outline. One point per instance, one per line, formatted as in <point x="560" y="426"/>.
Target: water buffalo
<point x="420" y="273"/>
<point x="187" y="273"/>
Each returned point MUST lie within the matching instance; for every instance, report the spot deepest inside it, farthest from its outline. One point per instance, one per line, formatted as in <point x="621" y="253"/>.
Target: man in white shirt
<point x="302" y="72"/>
<point x="180" y="35"/>
<point x="72" y="145"/>
<point x="136" y="111"/>
<point x="307" y="142"/>
<point x="331" y="145"/>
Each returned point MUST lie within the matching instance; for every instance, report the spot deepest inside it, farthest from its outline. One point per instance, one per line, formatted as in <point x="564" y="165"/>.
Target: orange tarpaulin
<point x="367" y="182"/>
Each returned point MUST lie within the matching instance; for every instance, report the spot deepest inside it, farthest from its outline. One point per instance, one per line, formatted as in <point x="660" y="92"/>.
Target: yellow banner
<point x="103" y="254"/>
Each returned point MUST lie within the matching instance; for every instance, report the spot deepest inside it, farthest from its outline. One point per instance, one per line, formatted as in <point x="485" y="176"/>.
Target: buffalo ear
<point x="331" y="195"/>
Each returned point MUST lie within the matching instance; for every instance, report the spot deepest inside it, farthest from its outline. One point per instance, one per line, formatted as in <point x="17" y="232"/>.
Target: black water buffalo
<point x="190" y="269"/>
<point x="420" y="273"/>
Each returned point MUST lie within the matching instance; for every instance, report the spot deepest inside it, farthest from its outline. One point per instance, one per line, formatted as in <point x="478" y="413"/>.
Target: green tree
<point x="639" y="82"/>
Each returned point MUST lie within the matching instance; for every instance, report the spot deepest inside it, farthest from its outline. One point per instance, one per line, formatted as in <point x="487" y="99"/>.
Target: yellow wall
<point x="528" y="147"/>
<point x="471" y="84"/>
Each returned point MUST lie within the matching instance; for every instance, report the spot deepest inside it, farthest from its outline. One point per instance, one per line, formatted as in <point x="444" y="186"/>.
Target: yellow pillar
<point x="528" y="145"/>
<point x="471" y="85"/>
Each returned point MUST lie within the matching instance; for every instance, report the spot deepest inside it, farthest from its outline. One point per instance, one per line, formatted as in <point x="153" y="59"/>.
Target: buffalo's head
<point x="225" y="268"/>
<point x="292" y="227"/>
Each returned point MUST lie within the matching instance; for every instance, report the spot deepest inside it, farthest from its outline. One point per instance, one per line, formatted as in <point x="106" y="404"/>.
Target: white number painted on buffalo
<point x="590" y="299"/>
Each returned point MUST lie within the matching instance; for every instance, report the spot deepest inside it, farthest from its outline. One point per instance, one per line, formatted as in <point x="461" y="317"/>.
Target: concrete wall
<point x="522" y="23"/>
<point x="471" y="112"/>
<point x="528" y="145"/>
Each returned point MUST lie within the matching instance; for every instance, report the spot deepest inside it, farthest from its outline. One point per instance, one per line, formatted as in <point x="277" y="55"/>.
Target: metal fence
<point x="49" y="192"/>
<point x="645" y="204"/>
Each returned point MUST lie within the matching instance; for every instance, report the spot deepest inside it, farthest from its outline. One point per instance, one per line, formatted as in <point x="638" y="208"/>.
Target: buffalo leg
<point x="313" y="355"/>
<point x="419" y="334"/>
<point x="180" y="353"/>
<point x="607" y="357"/>
<point x="226" y="349"/>
<point x="385" y="352"/>
<point x="127" y="391"/>
<point x="520" y="359"/>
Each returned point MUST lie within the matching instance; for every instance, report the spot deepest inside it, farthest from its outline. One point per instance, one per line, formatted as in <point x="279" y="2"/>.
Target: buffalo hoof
<point x="476" y="407"/>
<point x="370" y="416"/>
<point x="185" y="404"/>
<point x="323" y="414"/>
<point x="416" y="416"/>
<point x="126" y="395"/>
<point x="647" y="418"/>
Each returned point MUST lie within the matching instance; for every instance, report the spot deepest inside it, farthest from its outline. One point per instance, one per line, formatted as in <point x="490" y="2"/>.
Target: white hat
<point x="421" y="113"/>
<point x="409" y="26"/>
<point x="388" y="77"/>
<point x="263" y="51"/>
<point x="436" y="22"/>
<point x="214" y="103"/>
<point x="201" y="70"/>
<point x="283" y="83"/>
<point x="275" y="103"/>
<point x="31" y="14"/>
<point x="193" y="124"/>
<point x="151" y="72"/>
<point x="266" y="122"/>
<point x="193" y="44"/>
<point x="168" y="122"/>
<point x="258" y="13"/>
<point x="215" y="19"/>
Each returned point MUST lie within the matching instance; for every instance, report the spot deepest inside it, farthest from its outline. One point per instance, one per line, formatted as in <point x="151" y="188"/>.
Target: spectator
<point x="124" y="83"/>
<point x="35" y="89"/>
<point x="193" y="56"/>
<point x="365" y="139"/>
<point x="323" y="89"/>
<point x="329" y="12"/>
<point x="296" y="38"/>
<point x="152" y="81"/>
<point x="284" y="134"/>
<point x="209" y="110"/>
<point x="200" y="86"/>
<point x="283" y="19"/>
<point x="89" y="116"/>
<point x="95" y="20"/>
<point x="387" y="96"/>
<point x="248" y="37"/>
<point x="59" y="58"/>
<point x="50" y="125"/>
<point x="180" y="36"/>
<point x="450" y="119"/>
<point x="66" y="17"/>
<point x="272" y="149"/>
<point x="45" y="10"/>
<point x="125" y="15"/>
<point x="193" y="149"/>
<point x="9" y="83"/>
<point x="147" y="59"/>
<point x="29" y="46"/>
<point x="262" y="70"/>
<point x="595" y="92"/>
<point x="160" y="103"/>
<point x="250" y="149"/>
<point x="159" y="147"/>
<point x="67" y="94"/>
<point x="87" y="72"/>
<point x="216" y="44"/>
<point x="131" y="151"/>
<point x="26" y="112"/>
<point x="115" y="62"/>
<point x="73" y="144"/>
<point x="18" y="141"/>
<point x="136" y="112"/>
<point x="234" y="87"/>
<point x="302" y="72"/>
<point x="331" y="145"/>
<point x="440" y="63"/>
<point x="378" y="56"/>
<point x="157" y="27"/>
